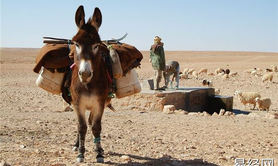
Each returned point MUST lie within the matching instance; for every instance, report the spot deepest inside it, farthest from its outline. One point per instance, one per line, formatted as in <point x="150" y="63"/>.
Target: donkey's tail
<point x="111" y="107"/>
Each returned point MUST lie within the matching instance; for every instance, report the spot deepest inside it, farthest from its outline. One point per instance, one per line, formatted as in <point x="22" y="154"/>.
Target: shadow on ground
<point x="237" y="112"/>
<point x="165" y="160"/>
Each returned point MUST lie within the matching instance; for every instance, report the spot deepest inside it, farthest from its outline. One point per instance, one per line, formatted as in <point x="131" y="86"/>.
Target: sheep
<point x="233" y="74"/>
<point x="217" y="91"/>
<point x="210" y="74"/>
<point x="225" y="76"/>
<point x="259" y="69"/>
<point x="263" y="104"/>
<point x="268" y="70"/>
<point x="254" y="72"/>
<point x="190" y="71"/>
<point x="207" y="83"/>
<point x="247" y="97"/>
<point x="268" y="76"/>
<point x="221" y="74"/>
<point x="185" y="70"/>
<point x="258" y="75"/>
<point x="195" y="74"/>
<point x="219" y="70"/>
<point x="203" y="70"/>
<point x="184" y="76"/>
<point x="274" y="68"/>
<point x="227" y="71"/>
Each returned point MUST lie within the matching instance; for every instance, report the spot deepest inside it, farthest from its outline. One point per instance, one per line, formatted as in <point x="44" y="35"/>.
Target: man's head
<point x="157" y="39"/>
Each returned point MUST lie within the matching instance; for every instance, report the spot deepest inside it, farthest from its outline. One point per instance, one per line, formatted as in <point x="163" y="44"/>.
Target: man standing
<point x="172" y="68"/>
<point x="157" y="58"/>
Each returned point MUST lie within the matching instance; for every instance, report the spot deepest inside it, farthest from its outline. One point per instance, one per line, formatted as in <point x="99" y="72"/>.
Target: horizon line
<point x="164" y="50"/>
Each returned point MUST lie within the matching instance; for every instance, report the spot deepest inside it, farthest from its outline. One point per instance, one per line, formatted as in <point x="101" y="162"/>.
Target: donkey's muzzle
<point x="85" y="75"/>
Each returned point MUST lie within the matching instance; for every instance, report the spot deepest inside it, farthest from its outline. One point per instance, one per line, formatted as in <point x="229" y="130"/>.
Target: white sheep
<point x="263" y="104"/>
<point x="203" y="70"/>
<point x="219" y="70"/>
<point x="267" y="76"/>
<point x="217" y="91"/>
<point x="225" y="76"/>
<point x="195" y="74"/>
<point x="221" y="74"/>
<point x="184" y="76"/>
<point x="207" y="83"/>
<point x="250" y="70"/>
<point x="274" y="68"/>
<point x="185" y="70"/>
<point x="248" y="97"/>
<point x="254" y="72"/>
<point x="190" y="71"/>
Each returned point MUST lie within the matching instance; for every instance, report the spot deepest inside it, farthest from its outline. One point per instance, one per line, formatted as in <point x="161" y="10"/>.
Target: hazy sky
<point x="235" y="25"/>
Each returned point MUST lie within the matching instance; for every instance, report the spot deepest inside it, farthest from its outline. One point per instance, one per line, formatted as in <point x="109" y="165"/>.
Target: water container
<point x="51" y="82"/>
<point x="116" y="63"/>
<point x="128" y="85"/>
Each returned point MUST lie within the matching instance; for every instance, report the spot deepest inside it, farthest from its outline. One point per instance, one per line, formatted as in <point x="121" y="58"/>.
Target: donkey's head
<point x="86" y="42"/>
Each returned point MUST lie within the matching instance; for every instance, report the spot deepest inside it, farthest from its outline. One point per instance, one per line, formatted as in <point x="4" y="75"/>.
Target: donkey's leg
<point x="96" y="129"/>
<point x="76" y="145"/>
<point x="82" y="129"/>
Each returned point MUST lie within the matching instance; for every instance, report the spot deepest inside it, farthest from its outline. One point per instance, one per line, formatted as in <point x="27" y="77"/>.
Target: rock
<point x="125" y="158"/>
<point x="193" y="113"/>
<point x="3" y="163"/>
<point x="39" y="122"/>
<point x="206" y="114"/>
<point x="68" y="109"/>
<point x="227" y="113"/>
<point x="181" y="112"/>
<point x="215" y="114"/>
<point x="169" y="109"/>
<point x="222" y="112"/>
<point x="22" y="146"/>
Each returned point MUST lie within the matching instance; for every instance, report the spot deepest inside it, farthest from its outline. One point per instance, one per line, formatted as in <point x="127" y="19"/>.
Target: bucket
<point x="51" y="82"/>
<point x="128" y="85"/>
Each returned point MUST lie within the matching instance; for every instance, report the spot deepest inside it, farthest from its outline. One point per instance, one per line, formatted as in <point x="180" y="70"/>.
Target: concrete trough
<point x="191" y="99"/>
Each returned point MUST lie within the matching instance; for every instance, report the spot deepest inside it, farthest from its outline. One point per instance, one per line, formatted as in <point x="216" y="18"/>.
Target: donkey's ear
<point x="80" y="16"/>
<point x="96" y="19"/>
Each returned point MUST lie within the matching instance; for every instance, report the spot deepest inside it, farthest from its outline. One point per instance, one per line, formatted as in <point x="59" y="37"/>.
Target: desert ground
<point x="35" y="129"/>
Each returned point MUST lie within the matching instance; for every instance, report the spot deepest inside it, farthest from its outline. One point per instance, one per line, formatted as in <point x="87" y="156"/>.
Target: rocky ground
<point x="35" y="129"/>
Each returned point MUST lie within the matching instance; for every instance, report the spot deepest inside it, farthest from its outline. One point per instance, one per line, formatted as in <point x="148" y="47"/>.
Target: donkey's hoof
<point x="100" y="158"/>
<point x="80" y="158"/>
<point x="75" y="148"/>
<point x="99" y="151"/>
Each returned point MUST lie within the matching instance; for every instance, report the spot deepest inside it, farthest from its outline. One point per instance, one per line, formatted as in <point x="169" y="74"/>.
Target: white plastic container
<point x="128" y="85"/>
<point x="116" y="64"/>
<point x="51" y="82"/>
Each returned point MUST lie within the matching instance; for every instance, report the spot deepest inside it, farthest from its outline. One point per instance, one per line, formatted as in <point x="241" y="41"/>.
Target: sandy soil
<point x="34" y="129"/>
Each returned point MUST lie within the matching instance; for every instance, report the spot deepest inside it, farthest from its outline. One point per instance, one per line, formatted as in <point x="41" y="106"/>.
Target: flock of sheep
<point x="253" y="98"/>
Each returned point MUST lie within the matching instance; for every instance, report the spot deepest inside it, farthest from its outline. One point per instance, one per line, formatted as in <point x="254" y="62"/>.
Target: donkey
<point x="90" y="83"/>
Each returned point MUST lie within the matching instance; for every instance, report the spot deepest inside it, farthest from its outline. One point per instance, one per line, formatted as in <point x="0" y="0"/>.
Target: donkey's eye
<point x="76" y="45"/>
<point x="77" y="48"/>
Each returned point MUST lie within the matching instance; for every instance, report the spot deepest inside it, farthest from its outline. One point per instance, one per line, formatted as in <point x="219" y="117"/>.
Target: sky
<point x="201" y="25"/>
